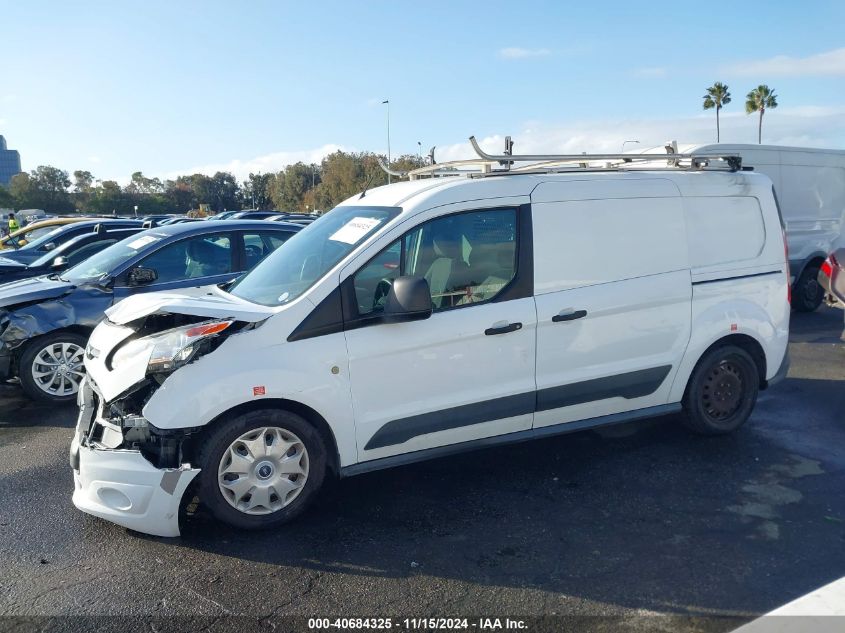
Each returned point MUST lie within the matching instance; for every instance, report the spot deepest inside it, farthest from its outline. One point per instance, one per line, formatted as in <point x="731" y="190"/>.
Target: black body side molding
<point x="510" y="438"/>
<point x="629" y="385"/>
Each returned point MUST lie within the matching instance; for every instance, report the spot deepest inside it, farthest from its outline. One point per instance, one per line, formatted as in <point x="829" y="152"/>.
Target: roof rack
<point x="503" y="164"/>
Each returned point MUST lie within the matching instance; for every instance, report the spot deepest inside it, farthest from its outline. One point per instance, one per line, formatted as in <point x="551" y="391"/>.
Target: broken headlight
<point x="169" y="350"/>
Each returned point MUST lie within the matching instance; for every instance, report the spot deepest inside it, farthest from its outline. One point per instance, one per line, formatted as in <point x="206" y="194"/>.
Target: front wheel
<point x="721" y="392"/>
<point x="261" y="469"/>
<point x="51" y="368"/>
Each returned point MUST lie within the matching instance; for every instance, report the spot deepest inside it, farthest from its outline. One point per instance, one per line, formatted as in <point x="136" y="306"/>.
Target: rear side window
<point x="723" y="230"/>
<point x="192" y="258"/>
<point x="257" y="245"/>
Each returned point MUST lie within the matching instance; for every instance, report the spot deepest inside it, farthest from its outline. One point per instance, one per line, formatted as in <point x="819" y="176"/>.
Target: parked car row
<point x="45" y="321"/>
<point x="34" y="230"/>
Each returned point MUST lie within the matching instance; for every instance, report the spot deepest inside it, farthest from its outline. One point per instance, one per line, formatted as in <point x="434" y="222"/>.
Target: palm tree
<point x="716" y="97"/>
<point x="759" y="100"/>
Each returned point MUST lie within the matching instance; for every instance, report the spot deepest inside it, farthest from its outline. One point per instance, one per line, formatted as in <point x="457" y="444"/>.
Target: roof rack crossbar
<point x="502" y="164"/>
<point x="734" y="162"/>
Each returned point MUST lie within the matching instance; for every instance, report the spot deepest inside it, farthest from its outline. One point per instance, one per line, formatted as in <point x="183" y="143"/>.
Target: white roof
<point x="431" y="192"/>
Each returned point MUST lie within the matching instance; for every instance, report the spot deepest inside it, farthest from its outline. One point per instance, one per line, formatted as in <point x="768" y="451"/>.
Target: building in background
<point x="10" y="163"/>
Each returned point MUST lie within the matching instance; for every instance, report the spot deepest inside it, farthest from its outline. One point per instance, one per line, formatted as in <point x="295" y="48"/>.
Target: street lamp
<point x="387" y="101"/>
<point x="419" y="150"/>
<point x="625" y="142"/>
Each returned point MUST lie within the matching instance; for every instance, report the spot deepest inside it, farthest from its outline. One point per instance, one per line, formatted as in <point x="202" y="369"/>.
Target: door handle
<point x="503" y="329"/>
<point x="569" y="316"/>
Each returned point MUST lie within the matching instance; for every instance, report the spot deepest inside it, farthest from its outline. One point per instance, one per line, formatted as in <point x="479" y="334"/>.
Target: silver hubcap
<point x="57" y="369"/>
<point x="263" y="470"/>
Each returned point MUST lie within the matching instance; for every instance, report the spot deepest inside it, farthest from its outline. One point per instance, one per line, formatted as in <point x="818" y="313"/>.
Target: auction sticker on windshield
<point x="354" y="230"/>
<point x="141" y="242"/>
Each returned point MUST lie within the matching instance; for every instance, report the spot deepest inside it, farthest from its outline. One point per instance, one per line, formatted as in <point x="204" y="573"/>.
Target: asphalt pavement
<point x="644" y="525"/>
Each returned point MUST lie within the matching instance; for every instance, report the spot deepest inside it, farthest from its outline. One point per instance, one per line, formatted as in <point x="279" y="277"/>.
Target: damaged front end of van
<point x="125" y="468"/>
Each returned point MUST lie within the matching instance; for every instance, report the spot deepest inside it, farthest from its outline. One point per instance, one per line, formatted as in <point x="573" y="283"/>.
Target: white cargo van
<point x="434" y="316"/>
<point x="810" y="186"/>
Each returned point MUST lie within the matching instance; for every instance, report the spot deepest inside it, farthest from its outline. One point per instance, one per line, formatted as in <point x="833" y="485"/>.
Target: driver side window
<point x="466" y="258"/>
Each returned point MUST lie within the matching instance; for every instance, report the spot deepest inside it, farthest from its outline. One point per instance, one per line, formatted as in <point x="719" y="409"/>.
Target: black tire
<point x="215" y="446"/>
<point x="807" y="294"/>
<point x="721" y="392"/>
<point x="30" y="382"/>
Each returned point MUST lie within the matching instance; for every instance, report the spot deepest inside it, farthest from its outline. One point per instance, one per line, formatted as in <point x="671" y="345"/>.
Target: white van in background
<point x="810" y="186"/>
<point x="430" y="317"/>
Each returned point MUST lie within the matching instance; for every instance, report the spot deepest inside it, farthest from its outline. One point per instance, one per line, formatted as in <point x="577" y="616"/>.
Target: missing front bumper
<point x="121" y="485"/>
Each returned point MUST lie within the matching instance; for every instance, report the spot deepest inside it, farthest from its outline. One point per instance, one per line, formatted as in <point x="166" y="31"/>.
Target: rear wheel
<point x="722" y="391"/>
<point x="51" y="367"/>
<point x="261" y="469"/>
<point x="807" y="294"/>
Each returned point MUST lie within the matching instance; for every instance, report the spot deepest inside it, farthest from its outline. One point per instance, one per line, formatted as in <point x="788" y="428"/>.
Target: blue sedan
<point x="45" y="321"/>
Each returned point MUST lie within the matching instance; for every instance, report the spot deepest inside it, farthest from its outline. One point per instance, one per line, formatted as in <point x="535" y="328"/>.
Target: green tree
<point x="82" y="181"/>
<point x="83" y="184"/>
<point x="53" y="185"/>
<point x="140" y="184"/>
<point x="716" y="97"/>
<point x="108" y="197"/>
<point x="7" y="200"/>
<point x="225" y="193"/>
<point x="179" y="194"/>
<point x="255" y="192"/>
<point x="760" y="99"/>
<point x="22" y="190"/>
<point x="203" y="188"/>
<point x="44" y="188"/>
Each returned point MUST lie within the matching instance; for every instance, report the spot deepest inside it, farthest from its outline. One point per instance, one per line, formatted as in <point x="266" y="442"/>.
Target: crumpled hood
<point x="209" y="302"/>
<point x="36" y="289"/>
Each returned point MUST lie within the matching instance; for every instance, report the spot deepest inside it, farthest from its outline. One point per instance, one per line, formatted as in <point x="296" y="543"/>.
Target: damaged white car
<point x="431" y="317"/>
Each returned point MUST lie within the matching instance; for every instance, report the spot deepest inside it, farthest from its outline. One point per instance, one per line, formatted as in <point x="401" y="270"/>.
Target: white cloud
<point x="806" y="126"/>
<point x="267" y="163"/>
<point x="828" y="63"/>
<point x="514" y="52"/>
<point x="652" y="72"/>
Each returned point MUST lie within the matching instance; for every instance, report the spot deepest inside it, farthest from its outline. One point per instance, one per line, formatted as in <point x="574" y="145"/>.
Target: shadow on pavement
<point x="17" y="410"/>
<point x="653" y="519"/>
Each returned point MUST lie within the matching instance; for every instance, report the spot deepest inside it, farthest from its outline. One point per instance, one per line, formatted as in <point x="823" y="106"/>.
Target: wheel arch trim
<point x="293" y="406"/>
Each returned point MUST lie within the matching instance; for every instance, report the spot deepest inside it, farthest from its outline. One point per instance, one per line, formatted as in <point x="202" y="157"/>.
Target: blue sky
<point x="172" y="87"/>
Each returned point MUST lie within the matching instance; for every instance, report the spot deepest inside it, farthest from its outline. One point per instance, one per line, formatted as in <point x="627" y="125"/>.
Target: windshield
<point x="298" y="263"/>
<point x="103" y="263"/>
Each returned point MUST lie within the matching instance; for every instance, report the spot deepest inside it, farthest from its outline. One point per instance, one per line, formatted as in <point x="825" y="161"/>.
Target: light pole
<point x="419" y="150"/>
<point x="625" y="142"/>
<point x="387" y="101"/>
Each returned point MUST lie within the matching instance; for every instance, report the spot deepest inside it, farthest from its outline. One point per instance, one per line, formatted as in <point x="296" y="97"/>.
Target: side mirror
<point x="49" y="246"/>
<point x="141" y="276"/>
<point x="409" y="299"/>
<point x="59" y="263"/>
